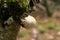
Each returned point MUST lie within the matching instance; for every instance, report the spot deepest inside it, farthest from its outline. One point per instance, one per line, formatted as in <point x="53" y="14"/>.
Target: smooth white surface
<point x="28" y="21"/>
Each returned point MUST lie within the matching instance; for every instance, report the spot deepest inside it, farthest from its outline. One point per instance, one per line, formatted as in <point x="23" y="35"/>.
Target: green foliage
<point x="38" y="23"/>
<point x="13" y="8"/>
<point x="42" y="30"/>
<point x="22" y="33"/>
<point x="23" y="3"/>
<point x="58" y="28"/>
<point x="50" y="27"/>
<point x="50" y="24"/>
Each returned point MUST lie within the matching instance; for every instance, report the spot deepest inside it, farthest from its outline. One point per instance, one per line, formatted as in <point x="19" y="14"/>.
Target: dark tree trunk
<point x="10" y="32"/>
<point x="47" y="8"/>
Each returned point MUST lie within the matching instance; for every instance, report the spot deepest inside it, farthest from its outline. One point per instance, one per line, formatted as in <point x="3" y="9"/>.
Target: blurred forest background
<point x="46" y="13"/>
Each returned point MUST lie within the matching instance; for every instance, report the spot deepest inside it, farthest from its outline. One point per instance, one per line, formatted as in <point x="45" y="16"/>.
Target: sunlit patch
<point x="29" y="20"/>
<point x="58" y="33"/>
<point x="33" y="39"/>
<point x="34" y="32"/>
<point x="50" y="37"/>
